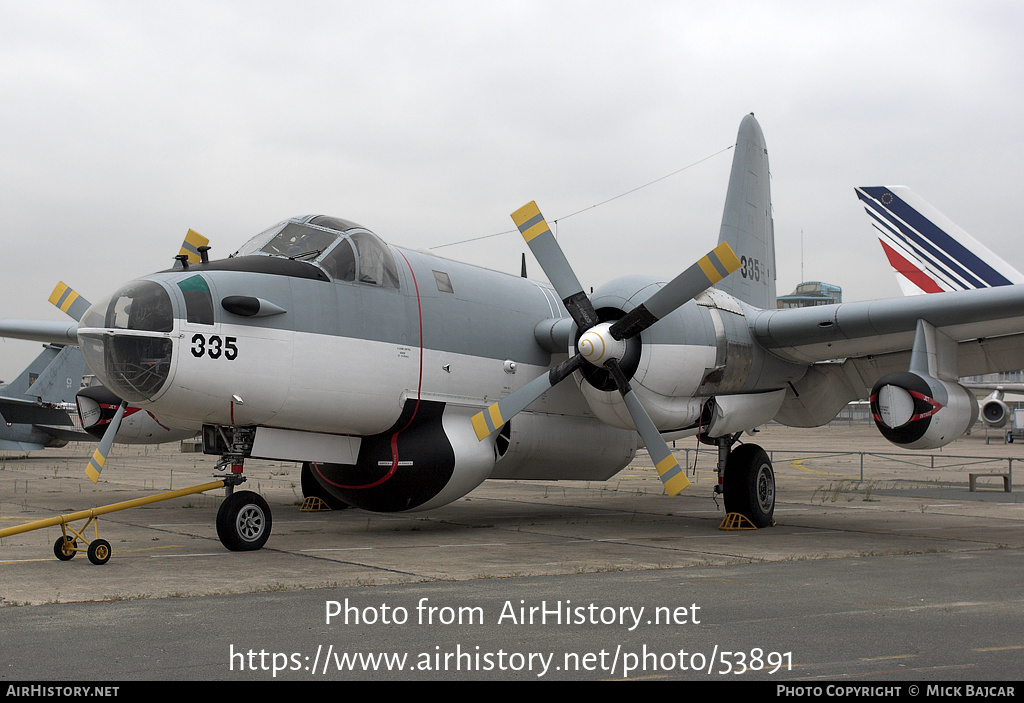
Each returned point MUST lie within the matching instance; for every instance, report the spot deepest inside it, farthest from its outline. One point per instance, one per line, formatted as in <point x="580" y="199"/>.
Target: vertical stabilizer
<point x="928" y="252"/>
<point x="18" y="388"/>
<point x="61" y="380"/>
<point x="747" y="220"/>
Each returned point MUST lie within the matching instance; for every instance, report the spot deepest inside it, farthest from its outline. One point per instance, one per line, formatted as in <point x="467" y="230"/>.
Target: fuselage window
<point x="444" y="283"/>
<point x="198" y="300"/>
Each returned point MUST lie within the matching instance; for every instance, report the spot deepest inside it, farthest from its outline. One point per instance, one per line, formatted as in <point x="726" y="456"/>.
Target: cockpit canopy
<point x="344" y="250"/>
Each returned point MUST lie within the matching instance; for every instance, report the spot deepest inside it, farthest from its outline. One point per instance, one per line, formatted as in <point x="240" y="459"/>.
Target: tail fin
<point x="18" y="388"/>
<point x="61" y="380"/>
<point x="747" y="220"/>
<point x="52" y="378"/>
<point x="927" y="250"/>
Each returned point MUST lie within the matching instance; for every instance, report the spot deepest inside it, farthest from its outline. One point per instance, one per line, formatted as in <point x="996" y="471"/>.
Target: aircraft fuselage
<point x="275" y="342"/>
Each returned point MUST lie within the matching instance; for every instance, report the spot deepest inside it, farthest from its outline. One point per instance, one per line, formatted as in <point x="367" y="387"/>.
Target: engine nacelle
<point x="735" y="413"/>
<point x="97" y="406"/>
<point x="916" y="411"/>
<point x="994" y="412"/>
<point x="562" y="447"/>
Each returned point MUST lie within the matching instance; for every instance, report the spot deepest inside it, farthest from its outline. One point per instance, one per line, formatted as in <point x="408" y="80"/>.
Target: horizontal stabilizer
<point x="27" y="412"/>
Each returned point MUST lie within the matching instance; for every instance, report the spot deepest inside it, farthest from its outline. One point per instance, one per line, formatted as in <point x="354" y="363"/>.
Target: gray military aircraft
<point x="36" y="407"/>
<point x="46" y="406"/>
<point x="403" y="380"/>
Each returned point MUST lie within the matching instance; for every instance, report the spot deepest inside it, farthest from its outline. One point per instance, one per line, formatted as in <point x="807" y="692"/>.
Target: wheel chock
<point x="313" y="505"/>
<point x="736" y="521"/>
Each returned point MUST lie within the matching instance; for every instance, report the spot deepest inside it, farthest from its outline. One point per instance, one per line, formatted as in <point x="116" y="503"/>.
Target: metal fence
<point x="880" y="466"/>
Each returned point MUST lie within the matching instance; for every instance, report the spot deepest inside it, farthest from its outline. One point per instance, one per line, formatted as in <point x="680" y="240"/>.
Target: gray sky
<point x="126" y="123"/>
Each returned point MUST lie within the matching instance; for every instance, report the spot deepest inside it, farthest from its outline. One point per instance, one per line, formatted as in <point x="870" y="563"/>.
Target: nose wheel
<point x="244" y="521"/>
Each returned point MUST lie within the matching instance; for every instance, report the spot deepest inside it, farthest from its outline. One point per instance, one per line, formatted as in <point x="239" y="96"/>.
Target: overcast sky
<point x="125" y="123"/>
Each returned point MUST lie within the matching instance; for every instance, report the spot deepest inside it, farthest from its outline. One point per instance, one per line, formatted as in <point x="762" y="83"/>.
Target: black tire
<point x="244" y="521"/>
<point x="58" y="548"/>
<point x="99" y="552"/>
<point x="750" y="485"/>
<point x="311" y="488"/>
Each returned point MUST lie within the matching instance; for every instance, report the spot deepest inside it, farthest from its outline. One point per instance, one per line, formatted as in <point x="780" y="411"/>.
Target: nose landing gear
<point x="244" y="521"/>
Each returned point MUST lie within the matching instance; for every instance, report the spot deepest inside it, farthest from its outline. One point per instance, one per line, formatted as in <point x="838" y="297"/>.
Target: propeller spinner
<point x="603" y="344"/>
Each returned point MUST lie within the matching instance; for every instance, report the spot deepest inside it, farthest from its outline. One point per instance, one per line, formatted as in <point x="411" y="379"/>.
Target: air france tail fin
<point x="927" y="250"/>
<point x="747" y="220"/>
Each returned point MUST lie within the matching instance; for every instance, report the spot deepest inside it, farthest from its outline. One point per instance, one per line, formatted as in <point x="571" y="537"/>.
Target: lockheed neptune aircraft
<point x="403" y="380"/>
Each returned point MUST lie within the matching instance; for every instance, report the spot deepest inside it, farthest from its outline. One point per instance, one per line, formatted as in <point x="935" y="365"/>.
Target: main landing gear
<point x="746" y="480"/>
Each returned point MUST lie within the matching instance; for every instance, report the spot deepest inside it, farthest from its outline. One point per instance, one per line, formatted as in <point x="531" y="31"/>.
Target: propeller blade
<point x="99" y="457"/>
<point x="487" y="422"/>
<point x="719" y="263"/>
<point x="549" y="255"/>
<point x="672" y="475"/>
<point x="68" y="301"/>
<point x="190" y="246"/>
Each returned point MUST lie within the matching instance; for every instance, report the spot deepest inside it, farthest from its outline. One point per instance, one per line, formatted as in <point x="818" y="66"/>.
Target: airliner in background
<point x="931" y="254"/>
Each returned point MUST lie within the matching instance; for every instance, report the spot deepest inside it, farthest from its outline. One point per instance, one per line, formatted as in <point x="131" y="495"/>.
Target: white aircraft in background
<point x="930" y="254"/>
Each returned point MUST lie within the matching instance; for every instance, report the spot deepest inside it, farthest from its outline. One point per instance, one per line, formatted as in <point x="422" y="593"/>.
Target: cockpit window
<point x="376" y="265"/>
<point x="254" y="244"/>
<point x="198" y="300"/>
<point x="141" y="305"/>
<point x="299" y="241"/>
<point x="335" y="223"/>
<point x="329" y="242"/>
<point x="340" y="263"/>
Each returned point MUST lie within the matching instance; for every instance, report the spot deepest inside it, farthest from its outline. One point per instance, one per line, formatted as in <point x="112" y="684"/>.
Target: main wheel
<point x="750" y="485"/>
<point x="243" y="521"/>
<point x="99" y="552"/>
<point x="311" y="488"/>
<point x="64" y="548"/>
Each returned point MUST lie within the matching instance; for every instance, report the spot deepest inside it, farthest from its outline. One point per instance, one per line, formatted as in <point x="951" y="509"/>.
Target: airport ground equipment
<point x="97" y="549"/>
<point x="736" y="521"/>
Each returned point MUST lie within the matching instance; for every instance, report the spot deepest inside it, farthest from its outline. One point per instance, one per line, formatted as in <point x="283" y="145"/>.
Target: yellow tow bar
<point x="98" y="549"/>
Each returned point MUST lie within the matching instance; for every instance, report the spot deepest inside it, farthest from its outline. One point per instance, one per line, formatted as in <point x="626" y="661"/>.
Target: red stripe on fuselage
<point x="419" y="391"/>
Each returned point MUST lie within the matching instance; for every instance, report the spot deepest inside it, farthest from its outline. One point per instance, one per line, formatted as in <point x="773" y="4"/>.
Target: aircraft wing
<point x="40" y="331"/>
<point x="988" y="324"/>
<point x="29" y="412"/>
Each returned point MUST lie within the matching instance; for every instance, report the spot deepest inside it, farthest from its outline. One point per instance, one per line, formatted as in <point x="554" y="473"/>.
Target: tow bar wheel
<point x="65" y="547"/>
<point x="99" y="552"/>
<point x="244" y="521"/>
